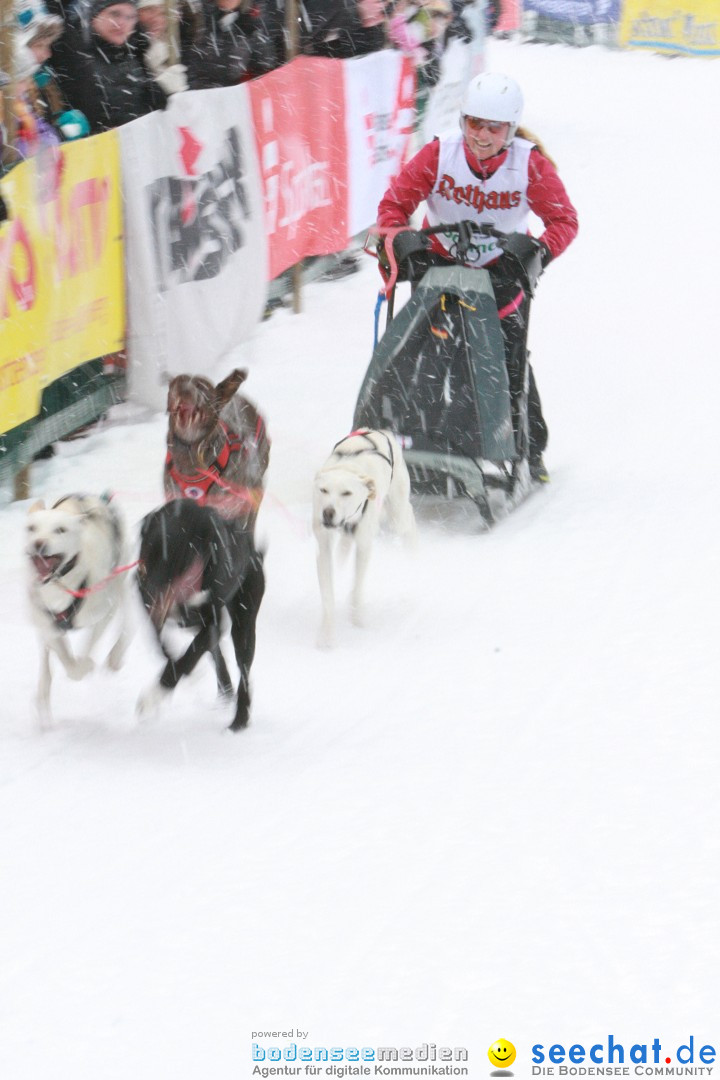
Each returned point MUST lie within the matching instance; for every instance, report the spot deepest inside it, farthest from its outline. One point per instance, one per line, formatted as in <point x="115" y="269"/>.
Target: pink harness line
<point x="512" y="306"/>
<point x="79" y="593"/>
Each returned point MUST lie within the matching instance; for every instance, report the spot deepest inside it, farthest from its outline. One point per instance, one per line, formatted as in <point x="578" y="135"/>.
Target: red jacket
<point x="546" y="193"/>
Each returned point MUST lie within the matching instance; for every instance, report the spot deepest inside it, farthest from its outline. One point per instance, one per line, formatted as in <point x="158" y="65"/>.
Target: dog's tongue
<point x="180" y="591"/>
<point x="46" y="565"/>
<point x="185" y="414"/>
<point x="186" y="585"/>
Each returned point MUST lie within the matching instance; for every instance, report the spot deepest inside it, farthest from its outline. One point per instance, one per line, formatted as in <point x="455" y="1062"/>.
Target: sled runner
<point x="437" y="377"/>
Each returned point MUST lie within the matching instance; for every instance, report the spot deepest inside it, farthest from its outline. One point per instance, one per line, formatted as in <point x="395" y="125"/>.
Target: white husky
<point x="74" y="550"/>
<point x="364" y="476"/>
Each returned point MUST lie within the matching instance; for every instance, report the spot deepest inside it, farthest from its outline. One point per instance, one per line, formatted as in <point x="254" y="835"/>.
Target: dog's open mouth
<point x="188" y="419"/>
<point x="185" y="414"/>
<point x="46" y="566"/>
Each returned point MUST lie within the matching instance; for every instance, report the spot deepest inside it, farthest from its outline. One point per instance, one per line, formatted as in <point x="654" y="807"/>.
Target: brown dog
<point x="218" y="446"/>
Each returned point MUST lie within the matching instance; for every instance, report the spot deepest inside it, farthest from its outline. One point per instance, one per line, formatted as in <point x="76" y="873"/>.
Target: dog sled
<point x="437" y="378"/>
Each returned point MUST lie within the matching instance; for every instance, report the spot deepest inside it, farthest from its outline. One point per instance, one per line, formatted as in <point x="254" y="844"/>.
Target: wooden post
<point x="292" y="30"/>
<point x="172" y="29"/>
<point x="292" y="46"/>
<point x="21" y="484"/>
<point x="7" y="64"/>
<point x="21" y="480"/>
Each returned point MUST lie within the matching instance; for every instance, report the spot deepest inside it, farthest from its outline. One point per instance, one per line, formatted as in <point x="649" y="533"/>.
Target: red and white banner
<point x="195" y="236"/>
<point x="510" y="17"/>
<point x="331" y="135"/>
<point x="379" y="117"/>
<point x="299" y="117"/>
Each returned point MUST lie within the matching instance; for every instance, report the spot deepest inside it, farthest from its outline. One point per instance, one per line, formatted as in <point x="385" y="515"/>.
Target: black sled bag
<point x="437" y="377"/>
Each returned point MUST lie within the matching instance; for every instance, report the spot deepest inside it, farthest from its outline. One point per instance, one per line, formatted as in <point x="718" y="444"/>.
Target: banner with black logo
<point x="195" y="244"/>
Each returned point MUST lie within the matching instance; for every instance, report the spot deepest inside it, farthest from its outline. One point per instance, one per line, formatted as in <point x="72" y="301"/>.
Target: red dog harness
<point x="197" y="486"/>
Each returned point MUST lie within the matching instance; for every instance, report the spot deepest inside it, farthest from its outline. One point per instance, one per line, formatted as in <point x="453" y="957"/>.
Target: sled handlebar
<point x="462" y="248"/>
<point x="466" y="234"/>
<point x="464" y="228"/>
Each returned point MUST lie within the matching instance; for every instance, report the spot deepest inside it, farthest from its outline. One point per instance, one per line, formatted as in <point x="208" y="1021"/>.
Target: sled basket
<point x="438" y="379"/>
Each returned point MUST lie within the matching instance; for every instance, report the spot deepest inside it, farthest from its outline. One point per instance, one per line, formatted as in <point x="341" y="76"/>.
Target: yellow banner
<point x="672" y="26"/>
<point x="62" y="297"/>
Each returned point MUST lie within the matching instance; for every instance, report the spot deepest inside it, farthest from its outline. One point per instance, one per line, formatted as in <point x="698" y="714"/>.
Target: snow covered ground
<point x="492" y="813"/>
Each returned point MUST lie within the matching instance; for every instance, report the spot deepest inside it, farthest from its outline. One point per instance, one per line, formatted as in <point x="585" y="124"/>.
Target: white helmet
<point x="492" y="96"/>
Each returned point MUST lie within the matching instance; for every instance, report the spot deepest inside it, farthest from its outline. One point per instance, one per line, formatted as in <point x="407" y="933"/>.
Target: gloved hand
<point x="403" y="244"/>
<point x="409" y="247"/>
<point x="529" y="255"/>
<point x="409" y="242"/>
<point x="173" y="79"/>
<point x="72" y="124"/>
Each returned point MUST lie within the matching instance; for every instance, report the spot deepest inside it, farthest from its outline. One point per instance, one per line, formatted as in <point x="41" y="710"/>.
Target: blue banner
<point x="577" y="12"/>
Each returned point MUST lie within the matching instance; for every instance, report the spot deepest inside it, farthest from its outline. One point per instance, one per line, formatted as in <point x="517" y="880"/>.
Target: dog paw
<point x="81" y="667"/>
<point x="150" y="700"/>
<point x="357" y="617"/>
<point x="44" y="718"/>
<point x="239" y="723"/>
<point x="410" y="540"/>
<point x="325" y="638"/>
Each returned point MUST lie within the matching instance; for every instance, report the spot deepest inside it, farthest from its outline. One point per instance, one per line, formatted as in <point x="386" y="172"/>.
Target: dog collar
<point x="64" y="620"/>
<point x="65" y="568"/>
<point x="351" y="526"/>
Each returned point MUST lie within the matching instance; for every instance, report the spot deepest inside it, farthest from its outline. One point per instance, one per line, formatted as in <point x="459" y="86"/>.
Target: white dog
<point x="364" y="476"/>
<point x="75" y="551"/>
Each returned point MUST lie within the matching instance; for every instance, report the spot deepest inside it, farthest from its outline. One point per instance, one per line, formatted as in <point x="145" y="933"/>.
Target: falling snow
<point x="493" y="811"/>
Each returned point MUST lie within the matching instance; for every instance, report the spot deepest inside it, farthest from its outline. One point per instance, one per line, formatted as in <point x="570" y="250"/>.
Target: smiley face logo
<point x="502" y="1054"/>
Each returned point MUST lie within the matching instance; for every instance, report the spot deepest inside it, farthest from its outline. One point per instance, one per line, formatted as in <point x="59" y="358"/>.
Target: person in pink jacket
<point x="494" y="172"/>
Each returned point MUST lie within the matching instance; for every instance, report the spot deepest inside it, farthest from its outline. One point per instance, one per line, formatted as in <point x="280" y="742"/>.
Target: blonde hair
<point x="525" y="134"/>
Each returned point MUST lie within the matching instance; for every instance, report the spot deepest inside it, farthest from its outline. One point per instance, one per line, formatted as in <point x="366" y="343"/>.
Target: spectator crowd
<point x="79" y="67"/>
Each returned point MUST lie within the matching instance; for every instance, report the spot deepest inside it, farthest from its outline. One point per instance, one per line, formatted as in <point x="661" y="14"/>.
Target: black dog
<point x="193" y="563"/>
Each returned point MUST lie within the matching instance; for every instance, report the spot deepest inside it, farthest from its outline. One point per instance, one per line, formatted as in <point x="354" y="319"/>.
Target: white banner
<point x="379" y="118"/>
<point x="196" y="250"/>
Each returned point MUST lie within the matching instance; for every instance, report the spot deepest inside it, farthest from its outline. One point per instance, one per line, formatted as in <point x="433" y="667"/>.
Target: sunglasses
<point x="493" y="126"/>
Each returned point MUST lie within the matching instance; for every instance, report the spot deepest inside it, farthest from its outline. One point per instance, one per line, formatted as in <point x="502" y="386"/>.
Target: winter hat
<point x="35" y="22"/>
<point x="96" y="6"/>
<point x="149" y="3"/>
